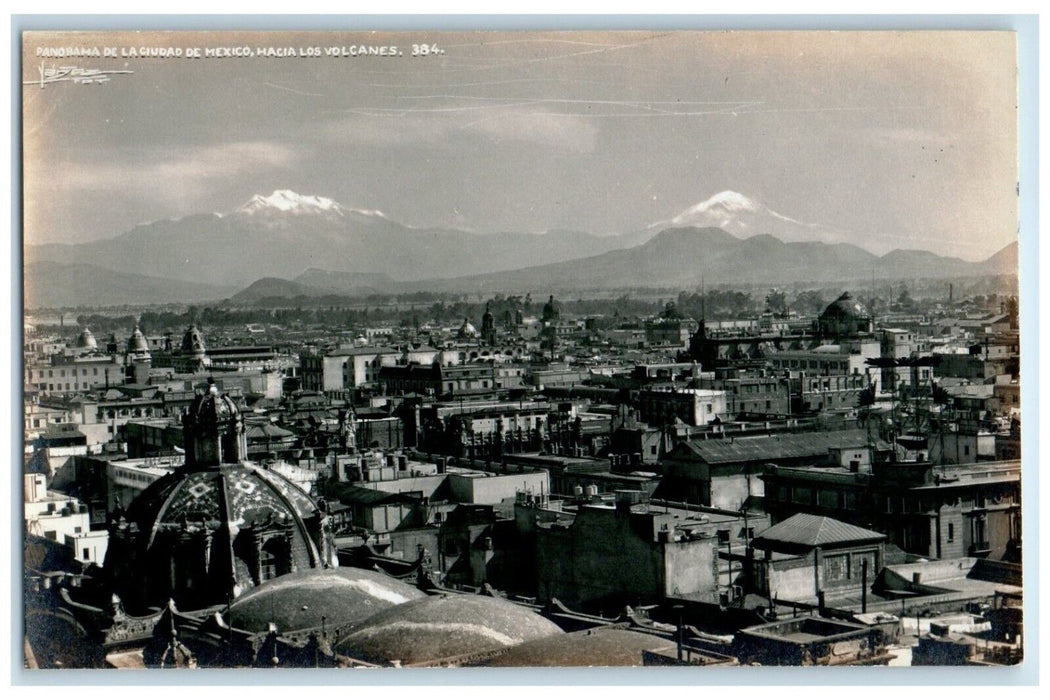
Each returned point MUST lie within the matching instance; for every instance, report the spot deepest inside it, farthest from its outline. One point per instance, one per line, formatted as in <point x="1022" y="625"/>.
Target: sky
<point x="885" y="140"/>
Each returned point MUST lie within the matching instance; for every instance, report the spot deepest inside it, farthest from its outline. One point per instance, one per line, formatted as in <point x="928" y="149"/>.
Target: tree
<point x="810" y="301"/>
<point x="776" y="302"/>
<point x="904" y="298"/>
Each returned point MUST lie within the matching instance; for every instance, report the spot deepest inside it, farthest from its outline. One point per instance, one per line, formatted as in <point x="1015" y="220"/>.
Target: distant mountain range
<point x="681" y="257"/>
<point x="51" y="284"/>
<point x="285" y="233"/>
<point x="287" y="245"/>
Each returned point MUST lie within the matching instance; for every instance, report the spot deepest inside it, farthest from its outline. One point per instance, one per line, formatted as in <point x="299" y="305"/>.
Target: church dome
<point x="844" y="318"/>
<point x="137" y="344"/>
<point x="204" y="536"/>
<point x="343" y="596"/>
<point x="218" y="526"/>
<point x="193" y="341"/>
<point x="86" y="340"/>
<point x="845" y="307"/>
<point x="467" y="330"/>
<point x="443" y="627"/>
<point x="601" y="646"/>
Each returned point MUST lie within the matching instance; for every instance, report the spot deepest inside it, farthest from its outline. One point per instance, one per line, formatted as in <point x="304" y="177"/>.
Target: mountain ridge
<point x="326" y="248"/>
<point x="297" y="232"/>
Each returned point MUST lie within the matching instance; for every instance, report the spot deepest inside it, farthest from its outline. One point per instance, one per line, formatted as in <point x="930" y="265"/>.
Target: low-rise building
<point x="936" y="511"/>
<point x="62" y="519"/>
<point x="807" y="557"/>
<point x="628" y="552"/>
<point x="727" y="472"/>
<point x="691" y="406"/>
<point x="344" y="368"/>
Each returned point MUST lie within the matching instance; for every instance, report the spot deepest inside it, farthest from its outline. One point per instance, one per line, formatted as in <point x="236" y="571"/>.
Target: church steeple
<point x="488" y="325"/>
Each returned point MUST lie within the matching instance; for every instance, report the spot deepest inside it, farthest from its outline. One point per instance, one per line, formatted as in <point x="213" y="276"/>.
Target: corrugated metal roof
<point x="815" y="531"/>
<point x="774" y="447"/>
<point x="266" y="430"/>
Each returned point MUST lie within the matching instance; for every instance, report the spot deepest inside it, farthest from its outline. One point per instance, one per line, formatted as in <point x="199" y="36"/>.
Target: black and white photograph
<point x="522" y="349"/>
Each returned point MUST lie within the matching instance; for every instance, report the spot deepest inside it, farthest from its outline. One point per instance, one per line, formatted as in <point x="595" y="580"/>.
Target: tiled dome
<point x="343" y="596"/>
<point x="204" y="536"/>
<point x="443" y="628"/>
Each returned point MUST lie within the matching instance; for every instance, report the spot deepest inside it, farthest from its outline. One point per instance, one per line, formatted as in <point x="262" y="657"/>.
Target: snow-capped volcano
<point x="744" y="217"/>
<point x="290" y="202"/>
<point x="719" y="209"/>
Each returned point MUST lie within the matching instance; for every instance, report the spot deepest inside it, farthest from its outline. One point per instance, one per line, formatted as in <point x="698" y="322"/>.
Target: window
<point x="836" y="568"/>
<point x="951" y="532"/>
<point x="979" y="533"/>
<point x="827" y="499"/>
<point x="273" y="559"/>
<point x="858" y="563"/>
<point x="86" y="553"/>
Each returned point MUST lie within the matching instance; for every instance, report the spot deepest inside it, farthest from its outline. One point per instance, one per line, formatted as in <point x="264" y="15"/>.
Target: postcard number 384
<point x="426" y="50"/>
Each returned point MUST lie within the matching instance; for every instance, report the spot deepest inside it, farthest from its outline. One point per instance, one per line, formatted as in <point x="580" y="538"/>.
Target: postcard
<point x="357" y="349"/>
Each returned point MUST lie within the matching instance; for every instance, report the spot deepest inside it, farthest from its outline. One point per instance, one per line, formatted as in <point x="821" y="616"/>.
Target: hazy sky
<point x="892" y="140"/>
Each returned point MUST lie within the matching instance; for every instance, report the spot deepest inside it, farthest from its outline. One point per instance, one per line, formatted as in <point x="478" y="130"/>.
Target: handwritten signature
<point x="73" y="74"/>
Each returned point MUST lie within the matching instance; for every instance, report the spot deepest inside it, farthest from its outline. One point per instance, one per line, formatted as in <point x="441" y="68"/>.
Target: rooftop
<point x="774" y="447"/>
<point x="810" y="530"/>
